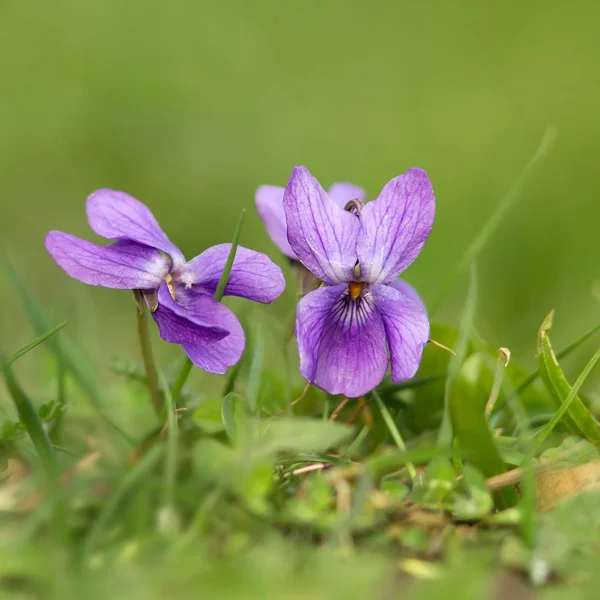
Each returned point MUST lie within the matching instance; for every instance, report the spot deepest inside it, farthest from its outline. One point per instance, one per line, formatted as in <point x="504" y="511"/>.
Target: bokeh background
<point x="189" y="106"/>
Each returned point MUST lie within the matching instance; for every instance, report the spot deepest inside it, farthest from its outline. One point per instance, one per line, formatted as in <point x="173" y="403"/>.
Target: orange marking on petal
<point x="169" y="281"/>
<point x="355" y="288"/>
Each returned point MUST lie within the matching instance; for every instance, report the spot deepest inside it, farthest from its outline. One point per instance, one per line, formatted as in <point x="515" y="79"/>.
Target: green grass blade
<point x="186" y="368"/>
<point x="489" y="228"/>
<point x="462" y="344"/>
<point x="31" y="422"/>
<point x="387" y="417"/>
<point x="25" y="349"/>
<point x="569" y="406"/>
<point x="220" y="291"/>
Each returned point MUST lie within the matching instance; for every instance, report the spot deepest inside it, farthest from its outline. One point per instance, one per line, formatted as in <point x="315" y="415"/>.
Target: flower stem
<point x="148" y="357"/>
<point x="184" y="373"/>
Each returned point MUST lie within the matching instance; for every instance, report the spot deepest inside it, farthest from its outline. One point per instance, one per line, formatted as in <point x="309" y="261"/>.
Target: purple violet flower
<point x="345" y="328"/>
<point x="179" y="294"/>
<point x="269" y="204"/>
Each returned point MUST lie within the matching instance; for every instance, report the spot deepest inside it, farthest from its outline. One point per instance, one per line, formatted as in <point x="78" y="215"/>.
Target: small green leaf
<point x="569" y="406"/>
<point x="478" y="501"/>
<point x="231" y="402"/>
<point x="207" y="416"/>
<point x="572" y="452"/>
<point x="439" y="478"/>
<point x="467" y="399"/>
<point x="300" y="434"/>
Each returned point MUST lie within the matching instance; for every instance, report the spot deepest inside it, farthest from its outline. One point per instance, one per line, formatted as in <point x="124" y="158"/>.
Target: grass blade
<point x="489" y="228"/>
<point x="171" y="445"/>
<point x="569" y="406"/>
<point x="387" y="417"/>
<point x="25" y="349"/>
<point x="31" y="422"/>
<point x="220" y="291"/>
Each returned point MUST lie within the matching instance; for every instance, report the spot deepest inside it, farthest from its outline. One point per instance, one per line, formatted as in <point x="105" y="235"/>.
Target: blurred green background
<point x="189" y="106"/>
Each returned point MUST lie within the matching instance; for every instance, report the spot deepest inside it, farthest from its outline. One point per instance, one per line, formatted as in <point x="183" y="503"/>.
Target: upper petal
<point x="269" y="204"/>
<point x="395" y="226"/>
<point x="124" y="265"/>
<point x="322" y="234"/>
<point x="406" y="326"/>
<point x="253" y="275"/>
<point x="341" y="341"/>
<point x="342" y="193"/>
<point x="113" y="215"/>
<point x="180" y="326"/>
<point x="214" y="357"/>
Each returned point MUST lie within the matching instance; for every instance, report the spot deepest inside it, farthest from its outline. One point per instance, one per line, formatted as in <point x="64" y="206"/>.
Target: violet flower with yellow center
<point x="179" y="294"/>
<point x="363" y="317"/>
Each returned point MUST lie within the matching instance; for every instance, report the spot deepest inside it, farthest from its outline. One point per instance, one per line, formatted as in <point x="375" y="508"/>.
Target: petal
<point x="115" y="215"/>
<point x="322" y="235"/>
<point x="253" y="276"/>
<point x="179" y="326"/>
<point x="342" y="193"/>
<point x="124" y="265"/>
<point x="406" y="326"/>
<point x="341" y="342"/>
<point x="214" y="357"/>
<point x="269" y="204"/>
<point x="395" y="226"/>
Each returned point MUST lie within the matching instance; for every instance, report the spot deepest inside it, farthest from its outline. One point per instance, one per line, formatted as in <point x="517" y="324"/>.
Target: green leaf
<point x="25" y="349"/>
<point x="208" y="417"/>
<point x="467" y="398"/>
<point x="439" y="478"/>
<point x="301" y="434"/>
<point x="231" y="403"/>
<point x="572" y="452"/>
<point x="569" y="406"/>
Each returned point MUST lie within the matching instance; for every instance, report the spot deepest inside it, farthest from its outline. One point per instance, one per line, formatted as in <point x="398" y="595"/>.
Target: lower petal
<point x="406" y="326"/>
<point x="217" y="357"/>
<point x="341" y="341"/>
<point x="124" y="265"/>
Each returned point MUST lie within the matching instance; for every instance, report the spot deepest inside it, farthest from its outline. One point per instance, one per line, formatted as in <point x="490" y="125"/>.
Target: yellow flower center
<point x="355" y="288"/>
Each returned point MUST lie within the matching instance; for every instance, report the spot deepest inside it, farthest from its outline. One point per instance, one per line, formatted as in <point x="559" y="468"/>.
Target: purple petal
<point x="406" y="326"/>
<point x="395" y="226"/>
<point x="342" y="193"/>
<point x="322" y="235"/>
<point x="341" y="342"/>
<point x="269" y="204"/>
<point x="253" y="275"/>
<point x="214" y="357"/>
<point x="180" y="326"/>
<point x="124" y="265"/>
<point x="116" y="215"/>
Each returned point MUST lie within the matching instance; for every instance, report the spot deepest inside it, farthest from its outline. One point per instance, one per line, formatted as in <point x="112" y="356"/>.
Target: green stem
<point x="148" y="357"/>
<point x="184" y="373"/>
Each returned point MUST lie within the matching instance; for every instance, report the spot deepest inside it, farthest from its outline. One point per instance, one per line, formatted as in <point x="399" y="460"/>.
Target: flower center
<point x="355" y="288"/>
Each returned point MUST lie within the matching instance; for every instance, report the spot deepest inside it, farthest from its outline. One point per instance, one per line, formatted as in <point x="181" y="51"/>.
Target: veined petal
<point x="269" y="204"/>
<point x="341" y="341"/>
<point x="253" y="276"/>
<point x="395" y="226"/>
<point x="214" y="357"/>
<point x="342" y="193"/>
<point x="179" y="326"/>
<point x="116" y="215"/>
<point x="406" y="326"/>
<point x="124" y="265"/>
<point x="322" y="235"/>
